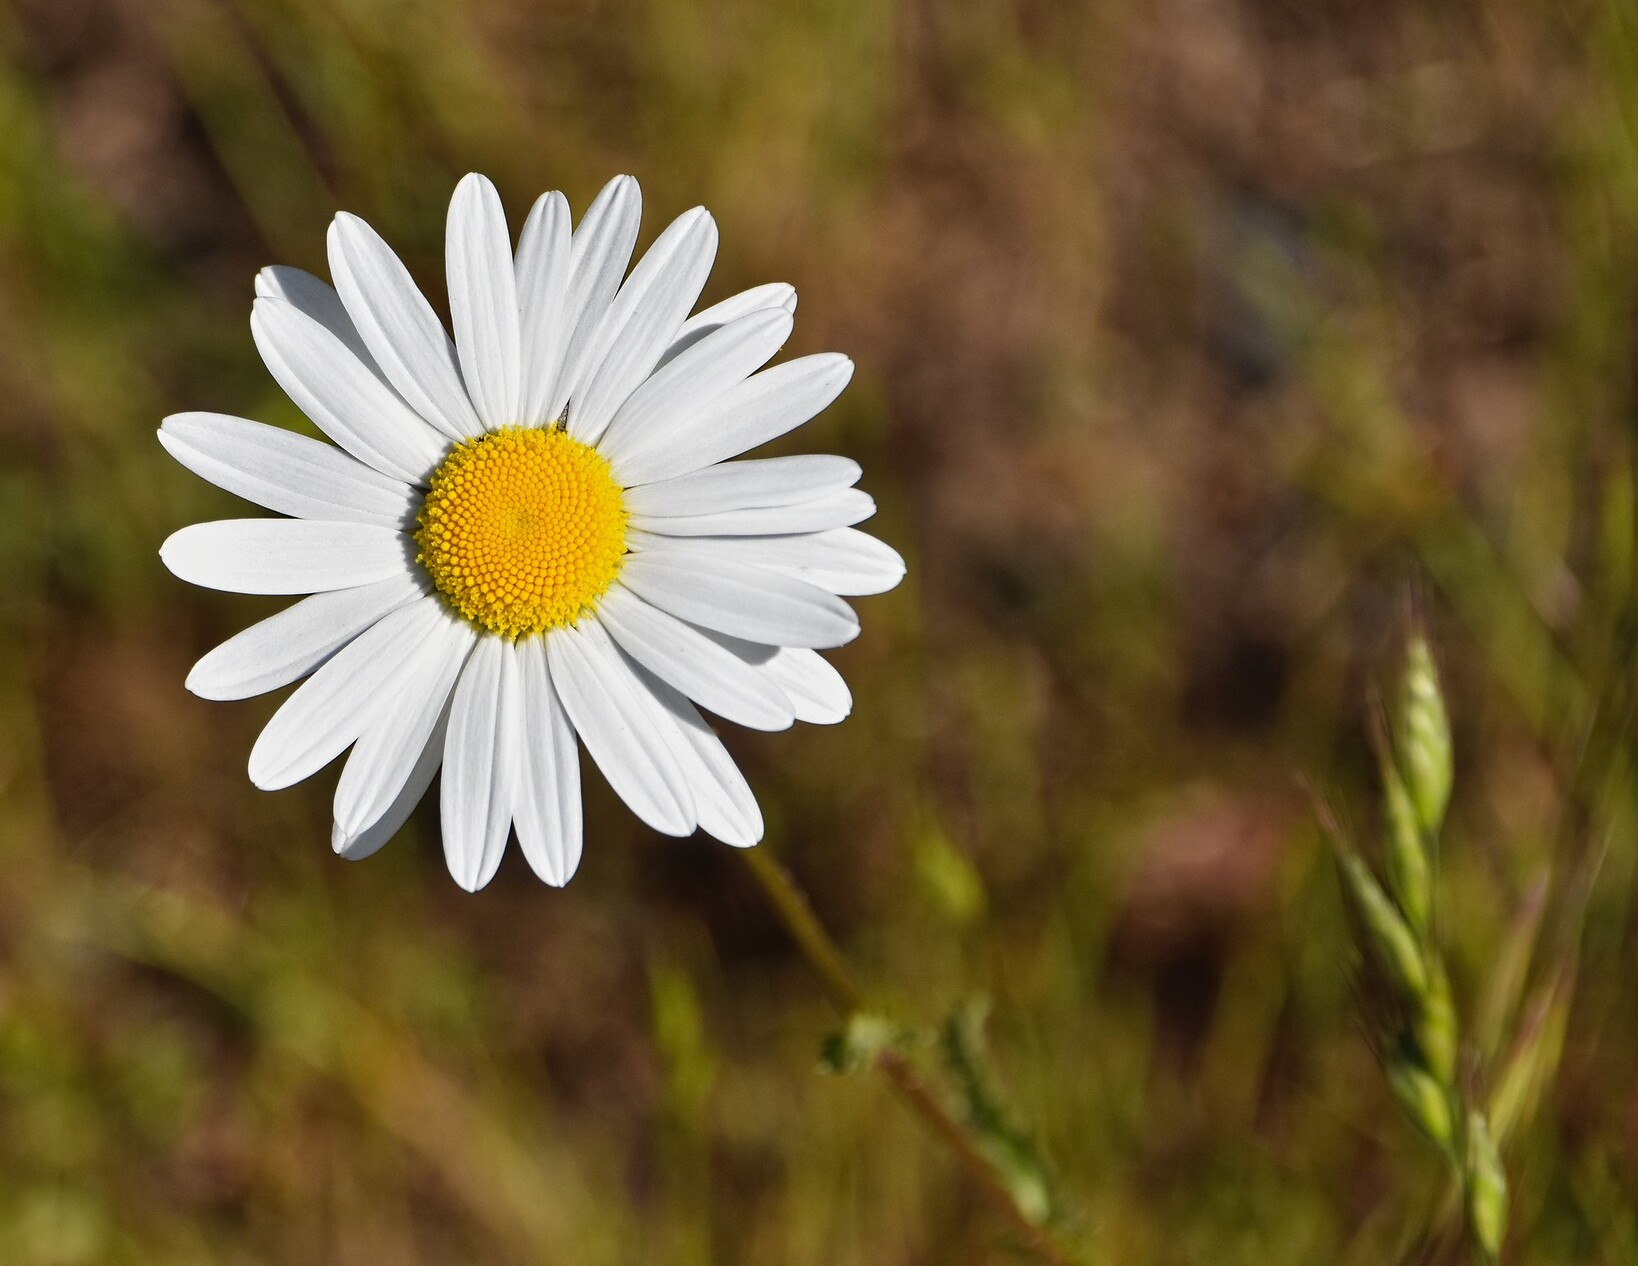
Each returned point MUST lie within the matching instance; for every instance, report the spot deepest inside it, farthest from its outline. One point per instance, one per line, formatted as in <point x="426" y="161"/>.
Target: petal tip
<point x="750" y="834"/>
<point x="474" y="186"/>
<point x="198" y="683"/>
<point x="262" y="779"/>
<point x="346" y="229"/>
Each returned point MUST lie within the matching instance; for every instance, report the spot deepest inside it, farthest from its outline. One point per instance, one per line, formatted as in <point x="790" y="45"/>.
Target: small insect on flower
<point x="530" y="532"/>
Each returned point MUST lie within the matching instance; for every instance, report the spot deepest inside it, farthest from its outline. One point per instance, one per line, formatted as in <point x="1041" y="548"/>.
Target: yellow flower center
<point x="522" y="530"/>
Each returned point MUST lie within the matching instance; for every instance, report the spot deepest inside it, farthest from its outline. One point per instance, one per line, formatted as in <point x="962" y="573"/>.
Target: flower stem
<point x="795" y="912"/>
<point x="849" y="998"/>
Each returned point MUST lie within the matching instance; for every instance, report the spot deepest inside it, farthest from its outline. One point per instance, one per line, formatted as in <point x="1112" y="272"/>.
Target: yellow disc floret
<point x="522" y="530"/>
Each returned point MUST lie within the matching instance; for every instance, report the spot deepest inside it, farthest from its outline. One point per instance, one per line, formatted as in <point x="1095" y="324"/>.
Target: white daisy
<point x="530" y="532"/>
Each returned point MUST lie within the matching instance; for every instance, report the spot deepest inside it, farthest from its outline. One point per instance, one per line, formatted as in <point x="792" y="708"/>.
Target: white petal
<point x="318" y="299"/>
<point x="286" y="472"/>
<point x="839" y="510"/>
<point x="737" y="599"/>
<point x="816" y="690"/>
<point x="369" y="841"/>
<point x="399" y="327"/>
<point x="343" y="396"/>
<point x="776" y="294"/>
<point x="483" y="299"/>
<point x="643" y="319"/>
<point x="692" y="662"/>
<point x="756" y="654"/>
<point x="548" y="810"/>
<point x="298" y="639"/>
<point x="601" y="250"/>
<point x="390" y="747"/>
<point x="620" y="723"/>
<point x="726" y="806"/>
<point x="286" y="555"/>
<point x="331" y="708"/>
<point x="762" y="481"/>
<point x="544" y="258"/>
<point x="693" y="380"/>
<point x="761" y="408"/>
<point x="843" y="561"/>
<point x="477" y="793"/>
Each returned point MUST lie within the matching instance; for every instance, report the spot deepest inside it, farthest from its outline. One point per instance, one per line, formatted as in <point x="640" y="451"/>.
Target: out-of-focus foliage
<point x="1191" y="336"/>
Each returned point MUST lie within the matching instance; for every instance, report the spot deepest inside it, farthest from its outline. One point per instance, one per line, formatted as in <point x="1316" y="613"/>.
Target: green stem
<point x="848" y="996"/>
<point x="795" y="912"/>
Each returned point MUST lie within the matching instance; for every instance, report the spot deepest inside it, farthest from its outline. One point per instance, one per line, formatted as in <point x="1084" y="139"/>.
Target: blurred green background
<point x="1200" y="343"/>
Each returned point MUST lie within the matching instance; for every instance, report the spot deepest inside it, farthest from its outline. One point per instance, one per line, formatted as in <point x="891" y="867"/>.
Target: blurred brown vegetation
<point x="1197" y="341"/>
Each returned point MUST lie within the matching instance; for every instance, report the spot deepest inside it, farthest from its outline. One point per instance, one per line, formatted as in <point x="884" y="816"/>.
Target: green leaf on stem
<point x="1007" y="1145"/>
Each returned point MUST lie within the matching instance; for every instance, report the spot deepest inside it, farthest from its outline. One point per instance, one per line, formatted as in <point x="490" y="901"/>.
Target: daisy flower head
<point x="530" y="536"/>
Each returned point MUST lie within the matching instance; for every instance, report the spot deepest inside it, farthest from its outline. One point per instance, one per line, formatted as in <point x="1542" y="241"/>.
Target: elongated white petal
<point x="723" y="800"/>
<point x="754" y="653"/>
<point x="643" y="319"/>
<point x="286" y="472"/>
<point x="286" y="555"/>
<point x="701" y="668"/>
<point x="291" y="644"/>
<point x="838" y="510"/>
<point x="773" y="294"/>
<point x="331" y="708"/>
<point x="545" y="256"/>
<point x="399" y="327"/>
<point x="483" y="300"/>
<point x="343" y="396"/>
<point x="816" y="690"/>
<point x="735" y="598"/>
<point x="600" y="251"/>
<point x="763" y="407"/>
<point x="477" y="791"/>
<point x="318" y="299"/>
<point x="693" y="380"/>
<point x="390" y="747"/>
<point x="616" y="720"/>
<point x="369" y="841"/>
<point x="547" y="812"/>
<point x="744" y="485"/>
<point x="844" y="561"/>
